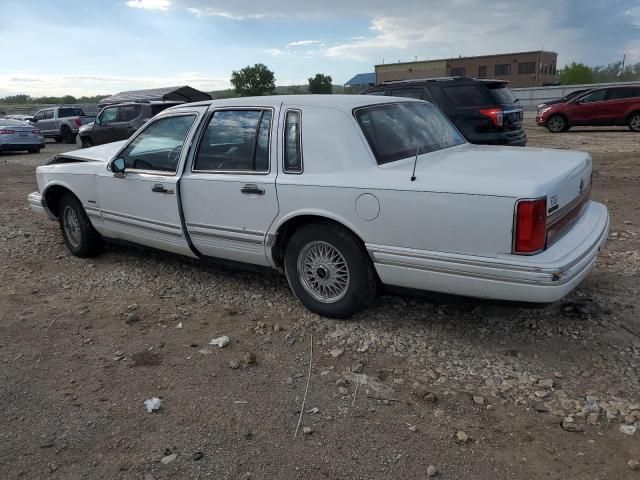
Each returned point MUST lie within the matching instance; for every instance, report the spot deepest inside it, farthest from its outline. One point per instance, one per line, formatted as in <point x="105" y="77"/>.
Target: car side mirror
<point x="34" y="120"/>
<point x="118" y="166"/>
<point x="98" y="121"/>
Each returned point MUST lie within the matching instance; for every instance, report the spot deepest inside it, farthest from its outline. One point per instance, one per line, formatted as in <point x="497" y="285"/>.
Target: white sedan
<point x="344" y="193"/>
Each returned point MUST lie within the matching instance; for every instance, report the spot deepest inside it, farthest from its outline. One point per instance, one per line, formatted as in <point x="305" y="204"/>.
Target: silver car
<point x="16" y="135"/>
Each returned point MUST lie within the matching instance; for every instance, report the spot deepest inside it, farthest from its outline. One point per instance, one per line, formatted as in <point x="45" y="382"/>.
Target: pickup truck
<point x="343" y="193"/>
<point x="61" y="123"/>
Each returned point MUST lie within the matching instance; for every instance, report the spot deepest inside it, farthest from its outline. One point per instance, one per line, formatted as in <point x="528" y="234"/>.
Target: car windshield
<point x="399" y="130"/>
<point x="571" y="95"/>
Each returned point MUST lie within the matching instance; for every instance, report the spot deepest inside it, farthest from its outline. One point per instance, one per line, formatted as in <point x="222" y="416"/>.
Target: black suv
<point x="119" y="122"/>
<point x="483" y="110"/>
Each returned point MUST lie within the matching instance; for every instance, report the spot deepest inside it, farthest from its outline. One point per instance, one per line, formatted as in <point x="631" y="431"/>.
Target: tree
<point x="253" y="80"/>
<point x="320" y="84"/>
<point x="575" y="74"/>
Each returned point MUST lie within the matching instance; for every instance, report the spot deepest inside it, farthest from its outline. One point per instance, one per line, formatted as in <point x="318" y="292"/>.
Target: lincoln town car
<point x="345" y="194"/>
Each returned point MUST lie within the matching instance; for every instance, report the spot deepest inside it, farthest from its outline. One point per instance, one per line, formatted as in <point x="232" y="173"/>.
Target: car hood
<point x="101" y="153"/>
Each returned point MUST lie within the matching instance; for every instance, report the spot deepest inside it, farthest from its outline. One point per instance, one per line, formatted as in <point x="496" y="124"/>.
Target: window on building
<point x="458" y="72"/>
<point x="503" y="69"/>
<point x="482" y="71"/>
<point x="526" y="68"/>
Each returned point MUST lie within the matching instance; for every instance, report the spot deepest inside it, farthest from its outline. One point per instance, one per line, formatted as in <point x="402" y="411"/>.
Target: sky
<point x="90" y="47"/>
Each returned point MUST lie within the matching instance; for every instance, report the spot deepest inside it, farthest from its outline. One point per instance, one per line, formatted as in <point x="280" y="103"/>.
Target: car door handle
<point x="159" y="188"/>
<point x="252" y="189"/>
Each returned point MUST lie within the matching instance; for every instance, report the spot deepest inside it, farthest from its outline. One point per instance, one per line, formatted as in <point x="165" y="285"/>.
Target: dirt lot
<point x="84" y="342"/>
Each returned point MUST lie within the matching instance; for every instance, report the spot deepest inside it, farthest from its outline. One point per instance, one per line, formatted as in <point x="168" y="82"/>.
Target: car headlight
<point x="544" y="110"/>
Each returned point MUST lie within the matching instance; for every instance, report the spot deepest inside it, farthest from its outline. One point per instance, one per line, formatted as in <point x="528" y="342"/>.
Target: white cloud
<point x="304" y="42"/>
<point x="276" y="52"/>
<point x="150" y="4"/>
<point x="79" y="84"/>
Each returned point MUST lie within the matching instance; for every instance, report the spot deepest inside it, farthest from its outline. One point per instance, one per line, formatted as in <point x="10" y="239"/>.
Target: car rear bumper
<point x="17" y="147"/>
<point x="542" y="278"/>
<point x="514" y="138"/>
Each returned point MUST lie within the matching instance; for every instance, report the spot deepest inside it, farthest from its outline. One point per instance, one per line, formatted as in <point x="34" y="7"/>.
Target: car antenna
<point x="413" y="175"/>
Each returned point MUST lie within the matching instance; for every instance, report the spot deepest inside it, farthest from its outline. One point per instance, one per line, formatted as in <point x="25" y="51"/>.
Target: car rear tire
<point x="81" y="238"/>
<point x="33" y="150"/>
<point x="67" y="135"/>
<point x="634" y="122"/>
<point x="557" y="124"/>
<point x="329" y="270"/>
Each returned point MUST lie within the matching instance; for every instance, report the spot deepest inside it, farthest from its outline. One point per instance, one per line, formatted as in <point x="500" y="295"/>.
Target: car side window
<point x="126" y="113"/>
<point x="109" y="115"/>
<point x="39" y="116"/>
<point x="48" y="114"/>
<point x="596" y="96"/>
<point x="235" y="140"/>
<point x="619" y="93"/>
<point x="158" y="147"/>
<point x="292" y="142"/>
<point x="407" y="93"/>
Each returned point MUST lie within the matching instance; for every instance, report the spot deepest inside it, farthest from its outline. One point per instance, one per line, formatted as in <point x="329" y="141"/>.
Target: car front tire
<point x="68" y="136"/>
<point x="79" y="235"/>
<point x="557" y="124"/>
<point x="87" y="142"/>
<point x="634" y="122"/>
<point x="329" y="270"/>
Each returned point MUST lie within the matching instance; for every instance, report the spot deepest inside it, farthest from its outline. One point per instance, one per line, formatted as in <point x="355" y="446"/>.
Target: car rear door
<point x="143" y="205"/>
<point x="616" y="104"/>
<point x="123" y="128"/>
<point x="228" y="192"/>
<point x="103" y="126"/>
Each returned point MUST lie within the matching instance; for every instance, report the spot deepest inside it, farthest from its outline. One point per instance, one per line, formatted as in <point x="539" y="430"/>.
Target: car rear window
<point x="400" y="130"/>
<point x="466" y="95"/>
<point x="500" y="94"/>
<point x="70" y="112"/>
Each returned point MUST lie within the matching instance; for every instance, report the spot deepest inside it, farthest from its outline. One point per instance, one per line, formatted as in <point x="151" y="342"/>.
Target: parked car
<point x="342" y="193"/>
<point x="21" y="117"/>
<point x="484" y="111"/>
<point x="16" y="135"/>
<point x="119" y="122"/>
<point x="564" y="99"/>
<point x="599" y="107"/>
<point x="61" y="123"/>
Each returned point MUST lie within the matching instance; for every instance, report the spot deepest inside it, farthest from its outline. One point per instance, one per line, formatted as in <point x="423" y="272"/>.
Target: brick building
<point x="521" y="69"/>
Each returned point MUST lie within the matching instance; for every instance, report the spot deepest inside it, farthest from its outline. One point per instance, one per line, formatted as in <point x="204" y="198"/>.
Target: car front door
<point x="228" y="193"/>
<point x="588" y="109"/>
<point x="47" y="124"/>
<point x="103" y="126"/>
<point x="141" y="205"/>
<point x="122" y="128"/>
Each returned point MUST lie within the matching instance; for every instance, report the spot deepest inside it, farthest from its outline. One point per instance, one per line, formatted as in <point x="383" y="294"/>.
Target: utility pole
<point x="624" y="56"/>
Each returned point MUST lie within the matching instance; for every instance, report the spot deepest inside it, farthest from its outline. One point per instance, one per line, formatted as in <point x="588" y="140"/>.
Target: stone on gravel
<point x="169" y="458"/>
<point x="234" y="364"/>
<point x="545" y="383"/>
<point x="341" y="382"/>
<point x="307" y="430"/>
<point x="462" y="437"/>
<point x="569" y="424"/>
<point x="431" y="471"/>
<point x="153" y="404"/>
<point x="337" y="352"/>
<point x="634" y="464"/>
<point x="628" y="429"/>
<point x="220" y="341"/>
<point x="249" y="358"/>
<point x="343" y="391"/>
<point x="197" y="456"/>
<point x="205" y="351"/>
<point x="132" y="317"/>
<point x="478" y="400"/>
<point x="542" y="407"/>
<point x="357" y="368"/>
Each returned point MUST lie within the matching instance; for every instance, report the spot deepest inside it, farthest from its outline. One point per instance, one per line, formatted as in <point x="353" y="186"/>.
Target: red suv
<point x="602" y="106"/>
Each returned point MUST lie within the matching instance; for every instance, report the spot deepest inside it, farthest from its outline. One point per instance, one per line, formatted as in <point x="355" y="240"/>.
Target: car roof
<point x="340" y="102"/>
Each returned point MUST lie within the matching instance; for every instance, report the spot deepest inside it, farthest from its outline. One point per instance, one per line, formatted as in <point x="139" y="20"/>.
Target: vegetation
<point x="253" y="80"/>
<point x="320" y="84"/>
<point x="23" y="99"/>
<point x="578" y="73"/>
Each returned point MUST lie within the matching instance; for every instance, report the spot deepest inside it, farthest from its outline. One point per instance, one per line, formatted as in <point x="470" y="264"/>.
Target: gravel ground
<point x="477" y="390"/>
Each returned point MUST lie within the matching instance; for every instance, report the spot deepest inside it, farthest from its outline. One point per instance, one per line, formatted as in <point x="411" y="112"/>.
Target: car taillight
<point x="78" y="122"/>
<point x="36" y="132"/>
<point x="530" y="226"/>
<point x="7" y="132"/>
<point x="495" y="114"/>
